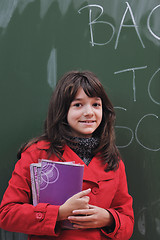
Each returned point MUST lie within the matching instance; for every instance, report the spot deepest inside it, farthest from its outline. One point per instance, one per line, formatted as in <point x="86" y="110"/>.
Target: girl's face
<point x="84" y="114"/>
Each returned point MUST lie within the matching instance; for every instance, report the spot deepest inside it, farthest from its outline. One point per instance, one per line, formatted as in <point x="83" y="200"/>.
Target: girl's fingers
<point x="85" y="198"/>
<point x="82" y="193"/>
<point x="79" y="219"/>
<point x="92" y="206"/>
<point x="83" y="224"/>
<point x="83" y="212"/>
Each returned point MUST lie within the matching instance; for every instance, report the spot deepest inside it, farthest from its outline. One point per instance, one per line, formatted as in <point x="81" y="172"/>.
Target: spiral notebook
<point x="55" y="182"/>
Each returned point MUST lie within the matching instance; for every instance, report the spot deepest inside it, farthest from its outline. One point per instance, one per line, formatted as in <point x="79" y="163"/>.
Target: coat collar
<point x="94" y="172"/>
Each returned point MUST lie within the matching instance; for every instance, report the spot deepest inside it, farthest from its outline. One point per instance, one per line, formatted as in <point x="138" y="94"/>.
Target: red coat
<point x="109" y="191"/>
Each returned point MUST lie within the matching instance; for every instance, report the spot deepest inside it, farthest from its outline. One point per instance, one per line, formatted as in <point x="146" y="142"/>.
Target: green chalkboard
<point x="118" y="40"/>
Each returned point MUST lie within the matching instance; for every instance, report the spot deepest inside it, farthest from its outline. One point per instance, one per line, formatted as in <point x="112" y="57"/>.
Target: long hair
<point x="56" y="127"/>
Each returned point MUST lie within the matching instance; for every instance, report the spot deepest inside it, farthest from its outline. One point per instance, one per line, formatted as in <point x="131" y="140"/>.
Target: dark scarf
<point x="84" y="147"/>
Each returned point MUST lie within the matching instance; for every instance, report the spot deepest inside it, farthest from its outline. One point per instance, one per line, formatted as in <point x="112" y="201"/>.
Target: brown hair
<point x="56" y="128"/>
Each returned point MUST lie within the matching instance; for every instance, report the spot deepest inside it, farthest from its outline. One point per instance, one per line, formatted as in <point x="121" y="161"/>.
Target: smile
<point x="87" y="121"/>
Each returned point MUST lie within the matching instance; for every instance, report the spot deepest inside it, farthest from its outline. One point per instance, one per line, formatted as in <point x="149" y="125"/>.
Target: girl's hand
<point x="77" y="201"/>
<point x="94" y="217"/>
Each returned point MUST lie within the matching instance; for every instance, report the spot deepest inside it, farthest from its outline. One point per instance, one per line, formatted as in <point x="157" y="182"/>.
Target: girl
<point x="79" y="127"/>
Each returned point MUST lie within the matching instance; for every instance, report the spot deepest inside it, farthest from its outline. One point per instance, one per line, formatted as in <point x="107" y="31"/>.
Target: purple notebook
<point x="59" y="181"/>
<point x="55" y="182"/>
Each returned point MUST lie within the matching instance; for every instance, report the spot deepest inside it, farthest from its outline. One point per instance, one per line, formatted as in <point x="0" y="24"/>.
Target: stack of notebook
<point x="55" y="182"/>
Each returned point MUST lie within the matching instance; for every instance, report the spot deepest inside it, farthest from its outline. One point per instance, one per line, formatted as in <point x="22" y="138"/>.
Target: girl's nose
<point x="88" y="111"/>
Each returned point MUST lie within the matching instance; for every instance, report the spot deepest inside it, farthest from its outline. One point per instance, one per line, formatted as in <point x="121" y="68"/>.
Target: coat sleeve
<point x="17" y="214"/>
<point x="121" y="209"/>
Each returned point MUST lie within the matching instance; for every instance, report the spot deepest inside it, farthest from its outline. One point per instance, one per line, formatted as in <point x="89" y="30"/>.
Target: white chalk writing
<point x="134" y="84"/>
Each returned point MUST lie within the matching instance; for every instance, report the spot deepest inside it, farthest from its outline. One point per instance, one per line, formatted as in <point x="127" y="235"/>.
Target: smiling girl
<point x="79" y="127"/>
<point x="84" y="114"/>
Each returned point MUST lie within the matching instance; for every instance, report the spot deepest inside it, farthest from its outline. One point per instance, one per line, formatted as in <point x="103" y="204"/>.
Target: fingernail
<point x="89" y="189"/>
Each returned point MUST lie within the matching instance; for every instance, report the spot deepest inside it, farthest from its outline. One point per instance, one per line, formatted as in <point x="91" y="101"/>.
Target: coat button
<point x="39" y="216"/>
<point x="95" y="190"/>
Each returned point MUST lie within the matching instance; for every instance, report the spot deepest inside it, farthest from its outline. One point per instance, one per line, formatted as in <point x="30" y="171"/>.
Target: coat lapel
<point x="98" y="169"/>
<point x="95" y="171"/>
<point x="69" y="155"/>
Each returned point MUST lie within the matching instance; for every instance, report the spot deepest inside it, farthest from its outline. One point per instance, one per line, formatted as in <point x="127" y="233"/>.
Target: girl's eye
<point x="96" y="104"/>
<point x="77" y="105"/>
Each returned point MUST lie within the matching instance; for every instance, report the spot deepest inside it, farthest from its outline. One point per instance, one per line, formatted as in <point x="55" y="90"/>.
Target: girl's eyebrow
<point x="78" y="99"/>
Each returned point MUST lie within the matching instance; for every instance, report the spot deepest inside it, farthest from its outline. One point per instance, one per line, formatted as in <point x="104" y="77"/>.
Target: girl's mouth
<point x="87" y="120"/>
